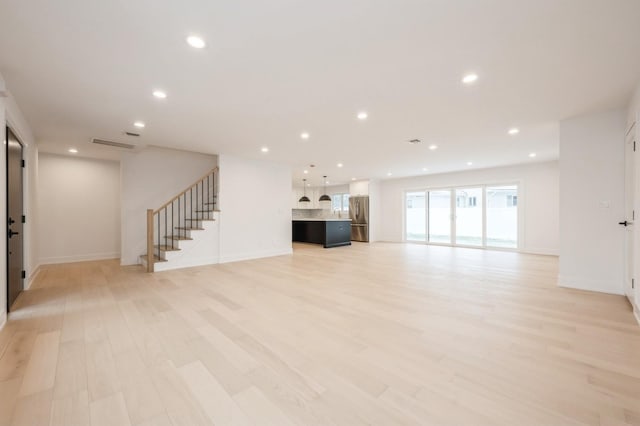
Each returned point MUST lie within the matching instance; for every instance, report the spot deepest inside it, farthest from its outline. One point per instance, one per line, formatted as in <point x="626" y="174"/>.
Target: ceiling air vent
<point x="132" y="134"/>
<point x="415" y="141"/>
<point x="112" y="143"/>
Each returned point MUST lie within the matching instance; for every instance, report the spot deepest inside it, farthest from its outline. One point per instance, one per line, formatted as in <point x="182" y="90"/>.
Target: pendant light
<point x="325" y="197"/>
<point x="304" y="198"/>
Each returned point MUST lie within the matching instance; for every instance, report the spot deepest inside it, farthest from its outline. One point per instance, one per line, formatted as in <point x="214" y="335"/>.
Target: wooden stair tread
<point x="189" y="228"/>
<point x="164" y="247"/>
<point x="156" y="259"/>
<point x="178" y="237"/>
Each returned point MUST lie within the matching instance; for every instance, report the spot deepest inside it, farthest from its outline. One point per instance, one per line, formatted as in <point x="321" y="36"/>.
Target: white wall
<point x="592" y="202"/>
<point x="538" y="201"/>
<point x="634" y="107"/>
<point x="150" y="178"/>
<point x="255" y="204"/>
<point x="11" y="115"/>
<point x="81" y="198"/>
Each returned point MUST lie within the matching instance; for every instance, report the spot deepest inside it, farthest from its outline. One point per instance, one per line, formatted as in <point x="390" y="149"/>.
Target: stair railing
<point x="173" y="219"/>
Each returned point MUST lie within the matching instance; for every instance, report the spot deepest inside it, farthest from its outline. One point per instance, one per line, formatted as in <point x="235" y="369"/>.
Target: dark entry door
<point x="14" y="218"/>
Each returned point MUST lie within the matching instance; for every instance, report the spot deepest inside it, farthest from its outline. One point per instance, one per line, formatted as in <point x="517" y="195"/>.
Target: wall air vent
<point x="415" y="141"/>
<point x="112" y="143"/>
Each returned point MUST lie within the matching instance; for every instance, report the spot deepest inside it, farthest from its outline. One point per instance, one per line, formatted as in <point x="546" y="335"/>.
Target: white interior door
<point x="630" y="233"/>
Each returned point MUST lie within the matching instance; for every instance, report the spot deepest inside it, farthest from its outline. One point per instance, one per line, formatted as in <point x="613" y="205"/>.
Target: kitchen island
<point x="328" y="232"/>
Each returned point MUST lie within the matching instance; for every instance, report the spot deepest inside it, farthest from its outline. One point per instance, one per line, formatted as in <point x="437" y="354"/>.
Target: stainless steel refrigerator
<point x="359" y="214"/>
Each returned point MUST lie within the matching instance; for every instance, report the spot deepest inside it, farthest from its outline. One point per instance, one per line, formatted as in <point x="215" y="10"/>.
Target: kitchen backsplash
<point x="315" y="214"/>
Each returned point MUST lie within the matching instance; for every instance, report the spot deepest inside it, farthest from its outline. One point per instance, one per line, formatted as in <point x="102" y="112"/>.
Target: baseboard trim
<point x="580" y="283"/>
<point x="32" y="277"/>
<point x="636" y="314"/>
<point x="3" y="319"/>
<point x="80" y="258"/>
<point x="543" y="252"/>
<point x="255" y="255"/>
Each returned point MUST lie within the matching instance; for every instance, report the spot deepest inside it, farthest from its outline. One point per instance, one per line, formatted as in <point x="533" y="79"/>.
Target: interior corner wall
<point x="633" y="125"/>
<point x="82" y="199"/>
<point x="3" y="215"/>
<point x="149" y="179"/>
<point x="255" y="211"/>
<point x="538" y="200"/>
<point x="10" y="115"/>
<point x="634" y="108"/>
<point x="592" y="202"/>
<point x="375" y="210"/>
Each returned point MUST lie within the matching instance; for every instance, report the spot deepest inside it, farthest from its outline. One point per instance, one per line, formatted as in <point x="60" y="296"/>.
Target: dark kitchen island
<point x="328" y="232"/>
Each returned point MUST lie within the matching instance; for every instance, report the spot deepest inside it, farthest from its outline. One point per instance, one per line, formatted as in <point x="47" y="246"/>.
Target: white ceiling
<point x="272" y="69"/>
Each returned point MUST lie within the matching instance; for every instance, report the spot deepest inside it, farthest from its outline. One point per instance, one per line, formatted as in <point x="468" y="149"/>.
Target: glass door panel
<point x="469" y="216"/>
<point x="440" y="217"/>
<point x="416" y="216"/>
<point x="502" y="216"/>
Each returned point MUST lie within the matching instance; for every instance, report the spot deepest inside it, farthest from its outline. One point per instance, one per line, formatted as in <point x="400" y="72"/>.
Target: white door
<point x="630" y="187"/>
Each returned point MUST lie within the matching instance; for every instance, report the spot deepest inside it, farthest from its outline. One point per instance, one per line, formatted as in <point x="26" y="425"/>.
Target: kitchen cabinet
<point x="328" y="232"/>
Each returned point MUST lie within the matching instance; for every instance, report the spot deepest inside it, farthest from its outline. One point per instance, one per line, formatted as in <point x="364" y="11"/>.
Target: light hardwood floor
<point x="380" y="334"/>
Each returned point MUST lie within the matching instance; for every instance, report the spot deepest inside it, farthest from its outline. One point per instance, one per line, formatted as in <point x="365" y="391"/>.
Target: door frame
<point x="8" y="129"/>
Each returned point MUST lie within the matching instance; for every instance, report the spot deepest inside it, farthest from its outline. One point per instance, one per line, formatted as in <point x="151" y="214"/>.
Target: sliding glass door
<point x="415" y="216"/>
<point x="476" y="216"/>
<point x="502" y="216"/>
<point x="440" y="217"/>
<point x="469" y="216"/>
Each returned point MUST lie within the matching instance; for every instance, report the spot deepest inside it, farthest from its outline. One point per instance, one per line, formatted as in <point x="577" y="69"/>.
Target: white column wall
<point x="255" y="209"/>
<point x="592" y="202"/>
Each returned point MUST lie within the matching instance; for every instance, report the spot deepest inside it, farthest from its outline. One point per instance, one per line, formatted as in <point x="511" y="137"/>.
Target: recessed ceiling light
<point x="339" y="164"/>
<point x="353" y="178"/>
<point x="159" y="94"/>
<point x="532" y="155"/>
<point x="470" y="78"/>
<point x="304" y="135"/>
<point x="264" y="149"/>
<point x="424" y="169"/>
<point x="469" y="163"/>
<point x="73" y="150"/>
<point x="389" y="173"/>
<point x="433" y="147"/>
<point x="326" y="181"/>
<point x="362" y="115"/>
<point x="139" y="124"/>
<point x="195" y="41"/>
<point x="514" y="131"/>
<point x="308" y="184"/>
<point x="306" y="172"/>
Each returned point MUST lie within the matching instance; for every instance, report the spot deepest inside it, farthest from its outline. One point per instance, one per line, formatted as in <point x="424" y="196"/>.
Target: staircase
<point x="183" y="232"/>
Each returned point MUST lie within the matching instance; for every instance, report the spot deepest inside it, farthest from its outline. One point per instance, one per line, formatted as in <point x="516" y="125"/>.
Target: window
<point x="512" y="200"/>
<point x="340" y="202"/>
